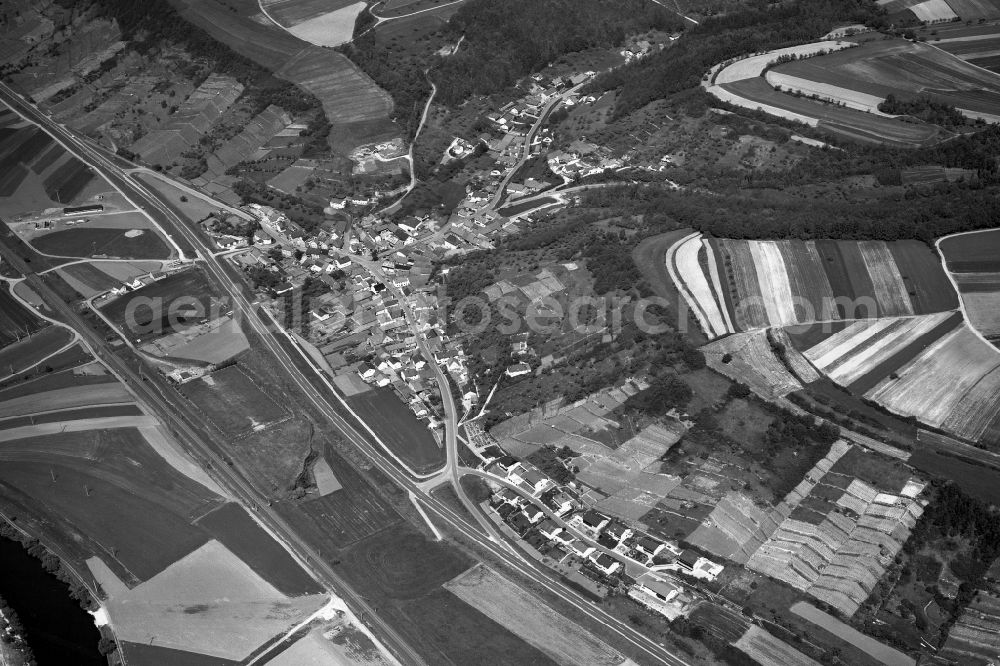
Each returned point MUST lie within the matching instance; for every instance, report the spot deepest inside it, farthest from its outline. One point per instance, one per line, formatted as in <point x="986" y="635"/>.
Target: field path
<point x="954" y="283"/>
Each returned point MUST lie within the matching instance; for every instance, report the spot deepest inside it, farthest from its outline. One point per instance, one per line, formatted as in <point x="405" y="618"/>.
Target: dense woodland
<point x="761" y="26"/>
<point x="924" y="108"/>
<point x="773" y="214"/>
<point x="505" y="41"/>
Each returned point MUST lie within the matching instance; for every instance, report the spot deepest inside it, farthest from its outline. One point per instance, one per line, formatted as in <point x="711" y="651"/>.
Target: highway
<point x="162" y="401"/>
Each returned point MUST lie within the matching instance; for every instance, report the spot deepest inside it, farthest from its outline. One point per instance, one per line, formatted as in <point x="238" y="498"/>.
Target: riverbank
<point x="55" y="624"/>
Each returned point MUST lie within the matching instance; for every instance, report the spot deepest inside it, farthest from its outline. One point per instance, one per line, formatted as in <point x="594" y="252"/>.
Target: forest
<point x="505" y="41"/>
<point x="759" y="27"/>
<point x="772" y="214"/>
<point x="924" y="108"/>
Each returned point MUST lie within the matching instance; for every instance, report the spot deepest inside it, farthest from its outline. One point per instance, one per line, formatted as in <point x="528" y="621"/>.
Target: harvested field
<point x="87" y="279"/>
<point x="210" y="602"/>
<point x="933" y="10"/>
<point x="242" y="536"/>
<point x="755" y="65"/>
<point x="20" y="356"/>
<point x="849" y="123"/>
<point x="767" y="650"/>
<point x="824" y="91"/>
<point x="970" y="10"/>
<point x="686" y="271"/>
<point x="775" y="290"/>
<point x="65" y="398"/>
<point x="934" y="383"/>
<point x="111" y="489"/>
<point x="293" y="12"/>
<point x="779" y="283"/>
<point x="100" y="242"/>
<point x="857" y="355"/>
<point x="740" y="278"/>
<point x="983" y="309"/>
<point x="906" y="69"/>
<point x="16" y="321"/>
<point x="331" y="29"/>
<point x="84" y="413"/>
<point x="808" y="281"/>
<point x="401" y="431"/>
<point x="890" y="292"/>
<point x="525" y="615"/>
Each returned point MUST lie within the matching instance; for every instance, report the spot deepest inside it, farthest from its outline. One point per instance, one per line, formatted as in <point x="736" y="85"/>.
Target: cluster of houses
<point x="358" y="322"/>
<point x="556" y="522"/>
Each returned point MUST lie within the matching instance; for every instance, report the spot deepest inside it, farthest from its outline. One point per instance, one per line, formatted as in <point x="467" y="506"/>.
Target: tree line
<point x="753" y="29"/>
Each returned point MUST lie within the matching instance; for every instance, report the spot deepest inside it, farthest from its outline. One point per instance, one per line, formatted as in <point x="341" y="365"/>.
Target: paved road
<point x="498" y="196"/>
<point x="160" y="399"/>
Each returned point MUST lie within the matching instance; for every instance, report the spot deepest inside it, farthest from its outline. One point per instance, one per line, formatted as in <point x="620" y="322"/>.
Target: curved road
<point x="158" y="397"/>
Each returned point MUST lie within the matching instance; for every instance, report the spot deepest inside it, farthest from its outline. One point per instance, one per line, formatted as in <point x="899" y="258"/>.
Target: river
<point x="58" y="630"/>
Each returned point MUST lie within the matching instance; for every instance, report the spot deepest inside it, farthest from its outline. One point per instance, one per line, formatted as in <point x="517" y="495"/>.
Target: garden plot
<point x="536" y="623"/>
<point x="938" y="380"/>
<point x="209" y="602"/>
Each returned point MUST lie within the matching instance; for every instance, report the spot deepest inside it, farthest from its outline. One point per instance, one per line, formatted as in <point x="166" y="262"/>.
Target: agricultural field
<point x="103" y="242"/>
<point x="742" y="83"/>
<point x="233" y="527"/>
<point x="978" y="44"/>
<point x="934" y="368"/>
<point x="209" y="602"/>
<point x="38" y="173"/>
<point x="402" y="432"/>
<point x="932" y="11"/>
<point x="974" y="263"/>
<point x="18" y="357"/>
<point x="767" y="650"/>
<point x="524" y="614"/>
<point x="114" y="490"/>
<point x="347" y="94"/>
<point x="735" y="285"/>
<point x="318" y="22"/>
<point x="173" y="301"/>
<point x="16" y="321"/>
<point x="403" y="572"/>
<point x="903" y="68"/>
